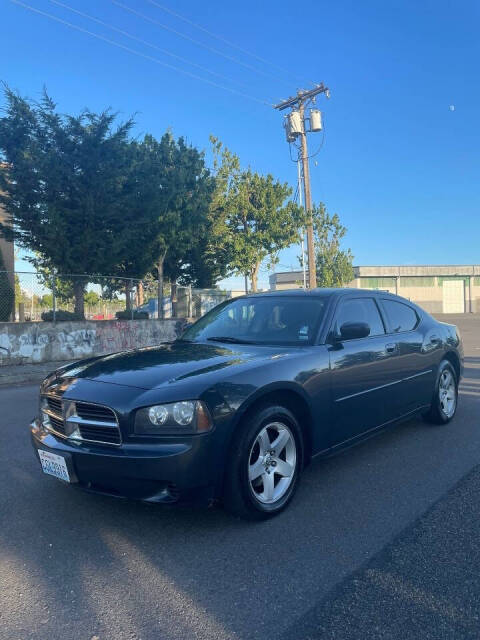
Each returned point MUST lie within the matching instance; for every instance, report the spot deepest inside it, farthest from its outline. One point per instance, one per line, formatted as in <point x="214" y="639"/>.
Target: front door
<point x="365" y="372"/>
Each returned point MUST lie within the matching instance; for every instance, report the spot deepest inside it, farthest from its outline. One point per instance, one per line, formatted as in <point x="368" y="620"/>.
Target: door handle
<point x="391" y="347"/>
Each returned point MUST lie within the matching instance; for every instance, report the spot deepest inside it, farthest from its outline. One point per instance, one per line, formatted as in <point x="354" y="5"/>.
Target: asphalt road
<point x="380" y="542"/>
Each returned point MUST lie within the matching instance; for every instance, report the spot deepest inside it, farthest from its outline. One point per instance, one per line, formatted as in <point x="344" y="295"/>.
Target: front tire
<point x="445" y="396"/>
<point x="264" y="463"/>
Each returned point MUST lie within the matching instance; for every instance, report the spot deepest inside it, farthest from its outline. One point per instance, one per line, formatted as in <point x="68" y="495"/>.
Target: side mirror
<point x="352" y="330"/>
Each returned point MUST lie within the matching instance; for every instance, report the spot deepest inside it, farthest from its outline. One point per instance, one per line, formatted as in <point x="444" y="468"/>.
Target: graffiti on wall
<point x="43" y="342"/>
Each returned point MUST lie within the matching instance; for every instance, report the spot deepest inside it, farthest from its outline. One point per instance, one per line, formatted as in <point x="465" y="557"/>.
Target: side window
<point x="360" y="310"/>
<point x="400" y="316"/>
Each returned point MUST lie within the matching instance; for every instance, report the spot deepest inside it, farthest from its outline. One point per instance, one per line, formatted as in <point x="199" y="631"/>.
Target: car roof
<point x="327" y="292"/>
<point x="319" y="292"/>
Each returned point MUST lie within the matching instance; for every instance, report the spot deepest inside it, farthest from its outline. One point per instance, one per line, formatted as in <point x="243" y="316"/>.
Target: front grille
<point x="110" y="435"/>
<point x="57" y="424"/>
<point x="95" y="423"/>
<point x="55" y="404"/>
<point x="55" y="414"/>
<point x="95" y="412"/>
<point x="91" y="427"/>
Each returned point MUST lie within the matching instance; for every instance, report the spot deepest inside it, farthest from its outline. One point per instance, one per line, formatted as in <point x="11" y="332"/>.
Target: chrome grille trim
<point x="94" y="423"/>
<point x="89" y="427"/>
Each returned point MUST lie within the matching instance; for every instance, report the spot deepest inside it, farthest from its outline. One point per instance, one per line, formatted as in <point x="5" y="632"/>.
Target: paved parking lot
<point x="381" y="542"/>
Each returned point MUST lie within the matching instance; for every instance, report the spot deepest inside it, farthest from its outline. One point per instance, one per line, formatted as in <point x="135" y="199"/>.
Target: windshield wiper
<point x="229" y="339"/>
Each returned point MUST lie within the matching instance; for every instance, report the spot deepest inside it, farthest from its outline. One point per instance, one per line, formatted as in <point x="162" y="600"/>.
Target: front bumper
<point x="167" y="472"/>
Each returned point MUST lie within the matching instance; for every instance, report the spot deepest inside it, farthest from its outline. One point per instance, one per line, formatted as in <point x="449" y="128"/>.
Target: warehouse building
<point x="438" y="289"/>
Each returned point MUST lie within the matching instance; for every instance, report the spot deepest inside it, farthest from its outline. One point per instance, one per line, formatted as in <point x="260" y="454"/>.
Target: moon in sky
<point x="452" y="107"/>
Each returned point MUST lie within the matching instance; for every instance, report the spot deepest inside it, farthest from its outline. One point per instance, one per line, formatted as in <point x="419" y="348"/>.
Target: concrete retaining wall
<point x="30" y="342"/>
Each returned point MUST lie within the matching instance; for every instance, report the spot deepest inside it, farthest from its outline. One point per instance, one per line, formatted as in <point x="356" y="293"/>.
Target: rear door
<point x="414" y="356"/>
<point x="365" y="372"/>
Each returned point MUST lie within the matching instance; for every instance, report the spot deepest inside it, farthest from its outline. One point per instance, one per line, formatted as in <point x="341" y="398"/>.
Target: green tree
<point x="66" y="188"/>
<point x="91" y="298"/>
<point x="254" y="219"/>
<point x="46" y="301"/>
<point x="334" y="265"/>
<point x="174" y="190"/>
<point x="7" y="296"/>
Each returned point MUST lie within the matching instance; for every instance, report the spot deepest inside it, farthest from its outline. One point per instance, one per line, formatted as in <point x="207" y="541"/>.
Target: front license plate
<point x="54" y="465"/>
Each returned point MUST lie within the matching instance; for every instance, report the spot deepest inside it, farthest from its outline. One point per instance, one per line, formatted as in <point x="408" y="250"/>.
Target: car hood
<point x="152" y="367"/>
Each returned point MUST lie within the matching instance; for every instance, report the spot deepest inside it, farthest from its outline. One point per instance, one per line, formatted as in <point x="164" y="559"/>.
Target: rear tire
<point x="264" y="463"/>
<point x="445" y="396"/>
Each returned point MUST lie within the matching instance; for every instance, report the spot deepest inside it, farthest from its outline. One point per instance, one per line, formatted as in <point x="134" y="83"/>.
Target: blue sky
<point x="398" y="165"/>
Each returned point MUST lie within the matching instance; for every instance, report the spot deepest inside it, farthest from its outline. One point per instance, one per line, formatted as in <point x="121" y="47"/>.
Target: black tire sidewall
<point x="250" y="428"/>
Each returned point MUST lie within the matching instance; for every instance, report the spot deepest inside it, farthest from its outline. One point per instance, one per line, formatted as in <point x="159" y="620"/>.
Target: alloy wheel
<point x="272" y="462"/>
<point x="447" y="393"/>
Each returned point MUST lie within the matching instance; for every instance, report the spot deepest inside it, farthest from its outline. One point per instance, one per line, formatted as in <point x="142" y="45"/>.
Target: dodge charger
<point x="234" y="410"/>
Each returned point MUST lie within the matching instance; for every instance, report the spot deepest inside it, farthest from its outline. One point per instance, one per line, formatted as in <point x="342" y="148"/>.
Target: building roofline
<point x="396" y="266"/>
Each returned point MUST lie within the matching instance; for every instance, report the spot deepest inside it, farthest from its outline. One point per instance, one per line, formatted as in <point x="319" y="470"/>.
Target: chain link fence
<point x="202" y="300"/>
<point x="36" y="297"/>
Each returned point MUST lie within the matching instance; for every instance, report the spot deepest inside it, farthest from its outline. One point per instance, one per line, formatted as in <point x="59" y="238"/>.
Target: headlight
<point x="187" y="417"/>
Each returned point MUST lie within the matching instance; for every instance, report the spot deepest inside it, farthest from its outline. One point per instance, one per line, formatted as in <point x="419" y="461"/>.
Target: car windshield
<point x="265" y="320"/>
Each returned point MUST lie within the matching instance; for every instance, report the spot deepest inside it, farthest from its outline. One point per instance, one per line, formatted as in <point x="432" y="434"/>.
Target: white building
<point x="436" y="288"/>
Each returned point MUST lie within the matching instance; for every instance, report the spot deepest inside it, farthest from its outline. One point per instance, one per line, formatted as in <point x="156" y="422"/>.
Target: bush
<point x="127" y="315"/>
<point x="61" y="316"/>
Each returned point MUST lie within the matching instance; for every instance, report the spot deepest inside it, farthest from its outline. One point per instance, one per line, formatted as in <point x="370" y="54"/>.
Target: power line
<point x="145" y="42"/>
<point x="197" y="42"/>
<point x="221" y="39"/>
<point x="137" y="53"/>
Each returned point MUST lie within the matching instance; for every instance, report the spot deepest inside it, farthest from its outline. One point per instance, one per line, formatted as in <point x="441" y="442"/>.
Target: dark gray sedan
<point x="234" y="410"/>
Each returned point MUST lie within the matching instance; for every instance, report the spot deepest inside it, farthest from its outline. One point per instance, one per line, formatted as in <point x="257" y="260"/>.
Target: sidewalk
<point x="27" y="373"/>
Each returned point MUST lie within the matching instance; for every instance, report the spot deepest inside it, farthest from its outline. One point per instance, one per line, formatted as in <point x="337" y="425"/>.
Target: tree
<point x="254" y="219"/>
<point x="7" y="296"/>
<point x="18" y="290"/>
<point x="174" y="190"/>
<point x="46" y="301"/>
<point x="91" y="298"/>
<point x="334" y="265"/>
<point x="66" y="187"/>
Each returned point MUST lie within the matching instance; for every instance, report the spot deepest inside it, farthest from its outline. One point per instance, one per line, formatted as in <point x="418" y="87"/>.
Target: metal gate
<point x="453" y="296"/>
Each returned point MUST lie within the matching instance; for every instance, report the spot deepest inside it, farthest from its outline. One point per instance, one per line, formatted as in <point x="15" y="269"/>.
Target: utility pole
<point x="296" y="128"/>
<point x="312" y="267"/>
<point x="302" y="240"/>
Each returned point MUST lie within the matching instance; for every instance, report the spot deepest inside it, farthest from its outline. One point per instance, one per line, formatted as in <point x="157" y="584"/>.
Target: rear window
<point x="400" y="316"/>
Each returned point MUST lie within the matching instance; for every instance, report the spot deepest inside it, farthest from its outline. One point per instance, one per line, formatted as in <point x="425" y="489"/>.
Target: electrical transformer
<point x="295" y="123"/>
<point x="286" y="125"/>
<point x="315" y="120"/>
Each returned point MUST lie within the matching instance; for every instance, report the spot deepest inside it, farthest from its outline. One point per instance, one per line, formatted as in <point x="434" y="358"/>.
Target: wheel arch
<point x="454" y="360"/>
<point x="287" y="395"/>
